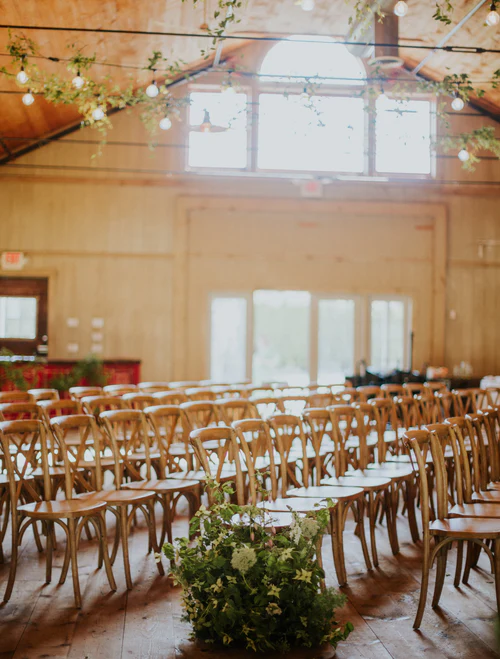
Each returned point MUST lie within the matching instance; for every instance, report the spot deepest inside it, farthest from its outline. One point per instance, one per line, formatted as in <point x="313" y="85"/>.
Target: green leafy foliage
<point x="10" y="373"/>
<point x="90" y="370"/>
<point x="443" y="12"/>
<point x="246" y="585"/>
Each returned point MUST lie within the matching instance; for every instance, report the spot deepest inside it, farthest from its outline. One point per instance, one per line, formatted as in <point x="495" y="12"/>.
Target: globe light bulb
<point x="98" y="113"/>
<point x="28" y="98"/>
<point x="152" y="90"/>
<point x="401" y="8"/>
<point x="457" y="104"/>
<point x="229" y="90"/>
<point x="463" y="155"/>
<point x="165" y="123"/>
<point x="78" y="81"/>
<point x="307" y="5"/>
<point x="22" y="76"/>
<point x="493" y="18"/>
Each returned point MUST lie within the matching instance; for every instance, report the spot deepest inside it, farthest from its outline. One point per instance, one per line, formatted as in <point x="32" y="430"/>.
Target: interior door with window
<point x="23" y="314"/>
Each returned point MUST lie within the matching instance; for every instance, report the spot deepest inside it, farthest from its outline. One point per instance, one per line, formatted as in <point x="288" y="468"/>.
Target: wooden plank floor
<point x="40" y="621"/>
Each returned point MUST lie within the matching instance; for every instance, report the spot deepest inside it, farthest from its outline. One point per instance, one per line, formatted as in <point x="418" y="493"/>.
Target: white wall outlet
<point x="72" y="322"/>
<point x="97" y="323"/>
<point x="97" y="337"/>
<point x="72" y="348"/>
<point x="96" y="348"/>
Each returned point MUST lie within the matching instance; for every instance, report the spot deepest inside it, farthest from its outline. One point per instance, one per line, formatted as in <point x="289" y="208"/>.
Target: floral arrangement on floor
<point x="247" y="585"/>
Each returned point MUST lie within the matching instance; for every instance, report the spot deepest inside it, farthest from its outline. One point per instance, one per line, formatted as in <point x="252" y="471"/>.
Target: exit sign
<point x="13" y="260"/>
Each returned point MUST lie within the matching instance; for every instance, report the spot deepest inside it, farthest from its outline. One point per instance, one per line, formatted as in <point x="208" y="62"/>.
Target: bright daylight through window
<point x="308" y="115"/>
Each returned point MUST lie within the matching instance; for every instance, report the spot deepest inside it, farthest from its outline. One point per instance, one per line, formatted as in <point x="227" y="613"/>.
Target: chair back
<point x="128" y="435"/>
<point x="321" y="399"/>
<point x="365" y="393"/>
<point x="19" y="411"/>
<point x="293" y="403"/>
<point x="94" y="405"/>
<point x="413" y="388"/>
<point x="62" y="407"/>
<point x="153" y="387"/>
<point x="44" y="394"/>
<point x="76" y="393"/>
<point x="254" y="438"/>
<point x="166" y="422"/>
<point x="348" y="421"/>
<point x="16" y="397"/>
<point x="77" y="456"/>
<point x="119" y="389"/>
<point x="429" y="409"/>
<point x="170" y="397"/>
<point x="384" y="417"/>
<point x="266" y="406"/>
<point x="199" y="414"/>
<point x="290" y="441"/>
<point x="215" y="448"/>
<point x="317" y="425"/>
<point x="24" y="449"/>
<point x="433" y="387"/>
<point x="392" y="390"/>
<point x="235" y="409"/>
<point x="137" y="401"/>
<point x="201" y="393"/>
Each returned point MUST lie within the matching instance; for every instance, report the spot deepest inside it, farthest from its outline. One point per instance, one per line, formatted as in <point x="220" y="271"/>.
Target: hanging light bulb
<point x="28" y="98"/>
<point x="165" y="123"/>
<point x="98" y="113"/>
<point x="463" y="155"/>
<point x="22" y="76"/>
<point x="307" y="5"/>
<point x="207" y="126"/>
<point x="457" y="104"/>
<point x="401" y="8"/>
<point x="152" y="90"/>
<point x="78" y="81"/>
<point x="493" y="17"/>
<point x="305" y="97"/>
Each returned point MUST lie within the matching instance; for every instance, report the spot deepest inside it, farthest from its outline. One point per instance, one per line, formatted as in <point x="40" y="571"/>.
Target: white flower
<point x="310" y="527"/>
<point x="295" y="531"/>
<point x="243" y="559"/>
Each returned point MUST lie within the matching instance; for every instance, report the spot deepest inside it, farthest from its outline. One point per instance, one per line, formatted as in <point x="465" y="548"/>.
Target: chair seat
<point x="199" y="475"/>
<point x="399" y="459"/>
<point x="166" y="485"/>
<point x="394" y="470"/>
<point x="277" y="520"/>
<point x="491" y="496"/>
<point x="359" y="479"/>
<point x="477" y="510"/>
<point x="466" y="526"/>
<point x="297" y="504"/>
<point x="117" y="497"/>
<point x="178" y="449"/>
<point x="327" y="492"/>
<point x="353" y="442"/>
<point x="62" y="509"/>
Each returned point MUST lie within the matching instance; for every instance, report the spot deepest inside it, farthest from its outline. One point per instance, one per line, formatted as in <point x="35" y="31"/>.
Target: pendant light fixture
<point x="207" y="126"/>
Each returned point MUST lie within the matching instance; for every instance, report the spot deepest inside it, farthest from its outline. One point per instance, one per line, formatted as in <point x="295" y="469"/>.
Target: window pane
<point x="310" y="59"/>
<point x="324" y="133"/>
<point x="336" y="330"/>
<point x="281" y="337"/>
<point x="18" y="316"/>
<point x="403" y="136"/>
<point x="227" y="149"/>
<point x="387" y="335"/>
<point x="228" y="336"/>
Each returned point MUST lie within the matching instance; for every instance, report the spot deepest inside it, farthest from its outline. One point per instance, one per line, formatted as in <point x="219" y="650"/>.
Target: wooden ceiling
<point x="20" y="126"/>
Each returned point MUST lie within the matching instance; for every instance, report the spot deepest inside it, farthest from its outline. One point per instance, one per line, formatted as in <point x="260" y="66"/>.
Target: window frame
<point x="407" y="329"/>
<point x="36" y="287"/>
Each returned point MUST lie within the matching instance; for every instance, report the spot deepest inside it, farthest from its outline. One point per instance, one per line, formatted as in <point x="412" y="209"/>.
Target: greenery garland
<point x="93" y="95"/>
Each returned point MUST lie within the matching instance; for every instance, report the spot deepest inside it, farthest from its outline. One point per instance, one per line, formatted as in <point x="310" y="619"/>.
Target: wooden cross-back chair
<point x="443" y="529"/>
<point x="153" y="387"/>
<point x="119" y="389"/>
<point x="137" y="400"/>
<point x="392" y="390"/>
<point x="199" y="414"/>
<point x="266" y="405"/>
<point x="235" y="409"/>
<point x="446" y="405"/>
<point x="366" y="392"/>
<point x="201" y="393"/>
<point x="76" y="393"/>
<point x="429" y="408"/>
<point x="433" y="387"/>
<point x="414" y="388"/>
<point x="85" y="481"/>
<point x="171" y="439"/>
<point x="291" y="443"/>
<point x="184" y="384"/>
<point x="16" y="397"/>
<point x="44" y="394"/>
<point x="293" y="403"/>
<point x="385" y="425"/>
<point x="94" y="405"/>
<point x="19" y="411"/>
<point x="469" y="401"/>
<point x="70" y="514"/>
<point x="318" y="427"/>
<point x="319" y="399"/>
<point x="170" y="397"/>
<point x="493" y="396"/>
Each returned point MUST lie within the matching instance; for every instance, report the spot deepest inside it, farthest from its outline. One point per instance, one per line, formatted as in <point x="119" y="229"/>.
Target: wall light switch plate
<point x="97" y="337"/>
<point x="96" y="348"/>
<point x="72" y="322"/>
<point x="97" y="323"/>
<point x="72" y="348"/>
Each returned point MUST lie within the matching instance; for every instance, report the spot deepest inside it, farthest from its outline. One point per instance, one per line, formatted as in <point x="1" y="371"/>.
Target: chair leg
<point x="391" y="498"/>
<point x="152" y="536"/>
<point x="410" y="507"/>
<point x="359" y="516"/>
<point x="440" y="575"/>
<point x="13" y="561"/>
<point x="336" y="518"/>
<point x="425" y="583"/>
<point x="49" y="552"/>
<point x="72" y="539"/>
<point x="116" y="542"/>
<point x="496" y="556"/>
<point x="65" y="567"/>
<point x="468" y="562"/>
<point x="36" y="534"/>
<point x="123" y="521"/>
<point x="372" y="519"/>
<point x="104" y="549"/>
<point x="460" y="560"/>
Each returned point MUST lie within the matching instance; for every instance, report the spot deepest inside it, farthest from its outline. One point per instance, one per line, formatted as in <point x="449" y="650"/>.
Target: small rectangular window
<point x="222" y="141"/>
<point x="18" y="317"/>
<point x="323" y="133"/>
<point x="228" y="339"/>
<point x="403" y="136"/>
<point x="389" y="335"/>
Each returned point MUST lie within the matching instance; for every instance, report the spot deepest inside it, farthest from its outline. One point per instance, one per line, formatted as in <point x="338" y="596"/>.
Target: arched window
<point x="319" y="132"/>
<point x="318" y="59"/>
